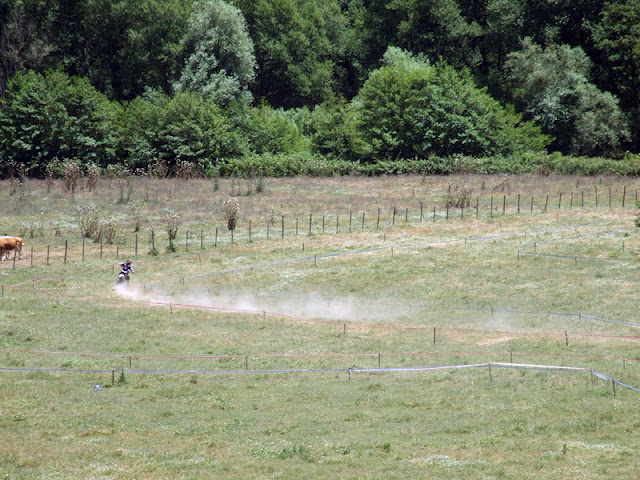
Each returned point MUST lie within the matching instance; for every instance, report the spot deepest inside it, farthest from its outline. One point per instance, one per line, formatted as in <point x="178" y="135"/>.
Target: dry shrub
<point x="231" y="208"/>
<point x="34" y="227"/>
<point x="185" y="170"/>
<point x="463" y="164"/>
<point x="51" y="172"/>
<point x="125" y="185"/>
<point x="93" y="174"/>
<point x="107" y="231"/>
<point x="116" y="171"/>
<point x="17" y="177"/>
<point x="502" y="184"/>
<point x="172" y="222"/>
<point x="459" y="195"/>
<point x="138" y="217"/>
<point x="88" y="219"/>
<point x="159" y="169"/>
<point x="72" y="171"/>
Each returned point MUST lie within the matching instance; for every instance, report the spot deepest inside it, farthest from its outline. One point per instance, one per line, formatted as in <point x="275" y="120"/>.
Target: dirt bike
<point x="122" y="278"/>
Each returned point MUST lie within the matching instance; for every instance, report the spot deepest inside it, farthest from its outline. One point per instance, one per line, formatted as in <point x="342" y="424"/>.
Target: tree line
<point x="160" y="84"/>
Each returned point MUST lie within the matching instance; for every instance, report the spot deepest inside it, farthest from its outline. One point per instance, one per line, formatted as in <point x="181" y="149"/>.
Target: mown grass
<point x="194" y="361"/>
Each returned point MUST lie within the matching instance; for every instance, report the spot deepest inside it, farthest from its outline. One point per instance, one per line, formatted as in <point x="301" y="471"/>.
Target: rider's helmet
<point x="122" y="264"/>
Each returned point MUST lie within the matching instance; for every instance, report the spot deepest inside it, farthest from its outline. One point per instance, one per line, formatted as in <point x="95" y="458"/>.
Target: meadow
<point x="353" y="328"/>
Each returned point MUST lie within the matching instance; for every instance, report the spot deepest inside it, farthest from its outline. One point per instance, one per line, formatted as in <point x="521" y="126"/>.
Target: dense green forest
<point x="210" y="87"/>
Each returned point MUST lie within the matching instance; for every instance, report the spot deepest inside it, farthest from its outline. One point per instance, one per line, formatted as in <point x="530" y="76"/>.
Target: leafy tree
<point x="21" y="46"/>
<point x="304" y="48"/>
<point x="270" y="130"/>
<point x="435" y="28"/>
<point x="409" y="108"/>
<point x="171" y="130"/>
<point x="56" y="116"/>
<point x="334" y="130"/>
<point x="220" y="63"/>
<point x="618" y="37"/>
<point x="553" y="89"/>
<point x="122" y="46"/>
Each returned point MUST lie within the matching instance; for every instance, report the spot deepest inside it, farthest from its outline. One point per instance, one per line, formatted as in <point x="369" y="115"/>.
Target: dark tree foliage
<point x="305" y="49"/>
<point x="122" y="46"/>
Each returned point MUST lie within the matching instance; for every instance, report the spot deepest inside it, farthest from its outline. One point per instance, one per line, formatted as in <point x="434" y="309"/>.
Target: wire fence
<point x="349" y="371"/>
<point x="155" y="239"/>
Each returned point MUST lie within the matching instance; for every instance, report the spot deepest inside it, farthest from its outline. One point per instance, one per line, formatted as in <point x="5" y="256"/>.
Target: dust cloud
<point x="304" y="306"/>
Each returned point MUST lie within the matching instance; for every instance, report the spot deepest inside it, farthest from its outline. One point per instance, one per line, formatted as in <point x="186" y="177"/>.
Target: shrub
<point x="73" y="120"/>
<point x="231" y="208"/>
<point x="409" y="108"/>
<point x="88" y="219"/>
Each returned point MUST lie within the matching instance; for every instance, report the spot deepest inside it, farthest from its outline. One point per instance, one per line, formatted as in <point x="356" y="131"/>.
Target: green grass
<point x="208" y="391"/>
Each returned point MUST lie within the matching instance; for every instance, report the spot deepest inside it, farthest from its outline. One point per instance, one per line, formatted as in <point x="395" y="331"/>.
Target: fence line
<point x="379" y="355"/>
<point x="389" y="219"/>
<point x="349" y="371"/>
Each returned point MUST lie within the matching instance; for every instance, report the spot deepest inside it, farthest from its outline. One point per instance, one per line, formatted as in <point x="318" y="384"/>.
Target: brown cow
<point x="8" y="244"/>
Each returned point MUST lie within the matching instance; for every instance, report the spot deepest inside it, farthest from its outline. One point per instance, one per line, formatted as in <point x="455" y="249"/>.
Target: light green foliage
<point x="553" y="87"/>
<point x="220" y="62"/>
<point x="334" y="130"/>
<point x="186" y="127"/>
<point x="43" y="117"/>
<point x="411" y="108"/>
<point x="274" y="131"/>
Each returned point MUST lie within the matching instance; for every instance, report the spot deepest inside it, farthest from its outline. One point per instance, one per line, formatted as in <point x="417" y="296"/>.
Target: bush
<point x="409" y="108"/>
<point x="45" y="117"/>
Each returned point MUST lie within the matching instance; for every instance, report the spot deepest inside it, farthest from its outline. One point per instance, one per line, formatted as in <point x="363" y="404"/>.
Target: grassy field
<point x="306" y="345"/>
